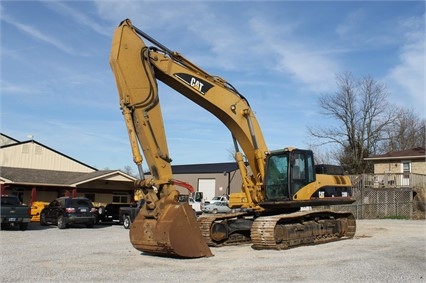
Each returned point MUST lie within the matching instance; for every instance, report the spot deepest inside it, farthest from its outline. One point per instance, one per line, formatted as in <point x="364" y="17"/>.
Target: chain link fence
<point x="378" y="203"/>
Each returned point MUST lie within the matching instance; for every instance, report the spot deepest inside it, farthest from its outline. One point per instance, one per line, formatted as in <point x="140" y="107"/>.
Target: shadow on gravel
<point x="34" y="226"/>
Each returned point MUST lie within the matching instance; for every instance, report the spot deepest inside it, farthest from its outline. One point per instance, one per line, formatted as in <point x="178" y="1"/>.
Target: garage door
<point x="208" y="187"/>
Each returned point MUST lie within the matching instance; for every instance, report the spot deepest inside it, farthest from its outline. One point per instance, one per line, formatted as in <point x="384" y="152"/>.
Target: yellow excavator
<point x="276" y="184"/>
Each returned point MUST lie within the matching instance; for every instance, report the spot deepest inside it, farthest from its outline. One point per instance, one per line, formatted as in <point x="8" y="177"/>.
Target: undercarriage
<point x="278" y="232"/>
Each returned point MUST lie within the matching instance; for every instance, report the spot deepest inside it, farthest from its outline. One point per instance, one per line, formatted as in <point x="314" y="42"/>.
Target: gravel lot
<point x="382" y="251"/>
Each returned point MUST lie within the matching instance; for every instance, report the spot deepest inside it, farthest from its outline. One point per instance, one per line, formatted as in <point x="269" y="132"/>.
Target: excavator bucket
<point x="174" y="233"/>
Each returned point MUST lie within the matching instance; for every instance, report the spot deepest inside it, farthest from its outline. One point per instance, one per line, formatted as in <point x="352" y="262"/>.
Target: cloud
<point x="304" y="62"/>
<point x="352" y="23"/>
<point x="13" y="89"/>
<point x="147" y="15"/>
<point x="77" y="16"/>
<point x="252" y="41"/>
<point x="37" y="34"/>
<point x="407" y="78"/>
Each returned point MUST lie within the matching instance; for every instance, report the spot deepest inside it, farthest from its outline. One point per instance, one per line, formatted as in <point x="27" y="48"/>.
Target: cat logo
<point x="196" y="83"/>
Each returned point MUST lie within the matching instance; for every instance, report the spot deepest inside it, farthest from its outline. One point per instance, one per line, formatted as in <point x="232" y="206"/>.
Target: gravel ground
<point x="382" y="251"/>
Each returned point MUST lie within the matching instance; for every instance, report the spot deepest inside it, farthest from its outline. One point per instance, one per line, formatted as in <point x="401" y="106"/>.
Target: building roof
<point x="5" y="139"/>
<point x="51" y="149"/>
<point x="205" y="168"/>
<point x="52" y="177"/>
<point x="414" y="153"/>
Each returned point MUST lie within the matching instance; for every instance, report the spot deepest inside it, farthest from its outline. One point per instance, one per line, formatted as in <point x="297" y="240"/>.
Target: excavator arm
<point x="163" y="225"/>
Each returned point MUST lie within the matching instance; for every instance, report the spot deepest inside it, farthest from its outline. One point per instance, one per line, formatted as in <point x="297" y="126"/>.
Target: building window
<point x="26" y="148"/>
<point x="120" y="198"/>
<point x="406" y="169"/>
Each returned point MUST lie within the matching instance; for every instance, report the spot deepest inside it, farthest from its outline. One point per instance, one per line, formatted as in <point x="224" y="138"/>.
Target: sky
<point x="58" y="89"/>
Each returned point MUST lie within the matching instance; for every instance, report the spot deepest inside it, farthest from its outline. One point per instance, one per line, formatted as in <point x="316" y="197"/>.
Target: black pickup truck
<point x="110" y="212"/>
<point x="14" y="213"/>
<point x="127" y="214"/>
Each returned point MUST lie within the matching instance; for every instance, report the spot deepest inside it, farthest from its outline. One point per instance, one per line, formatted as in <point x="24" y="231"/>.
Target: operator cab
<point x="287" y="171"/>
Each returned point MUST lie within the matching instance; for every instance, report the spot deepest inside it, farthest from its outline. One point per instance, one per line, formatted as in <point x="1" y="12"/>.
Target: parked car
<point x="128" y="213"/>
<point x="64" y="211"/>
<point x="216" y="207"/>
<point x="111" y="212"/>
<point x="36" y="208"/>
<point x="223" y="198"/>
<point x="196" y="205"/>
<point x="14" y="213"/>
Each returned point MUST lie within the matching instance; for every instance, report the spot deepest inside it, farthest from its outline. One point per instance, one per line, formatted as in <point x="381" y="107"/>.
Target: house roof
<point x="414" y="153"/>
<point x="205" y="168"/>
<point x="52" y="177"/>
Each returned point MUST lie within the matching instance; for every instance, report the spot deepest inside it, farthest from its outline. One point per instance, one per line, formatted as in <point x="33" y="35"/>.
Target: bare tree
<point x="408" y="131"/>
<point x="322" y="155"/>
<point x="360" y="112"/>
<point x="129" y="171"/>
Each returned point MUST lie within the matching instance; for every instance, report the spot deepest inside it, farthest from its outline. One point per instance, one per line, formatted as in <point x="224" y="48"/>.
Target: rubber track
<point x="263" y="229"/>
